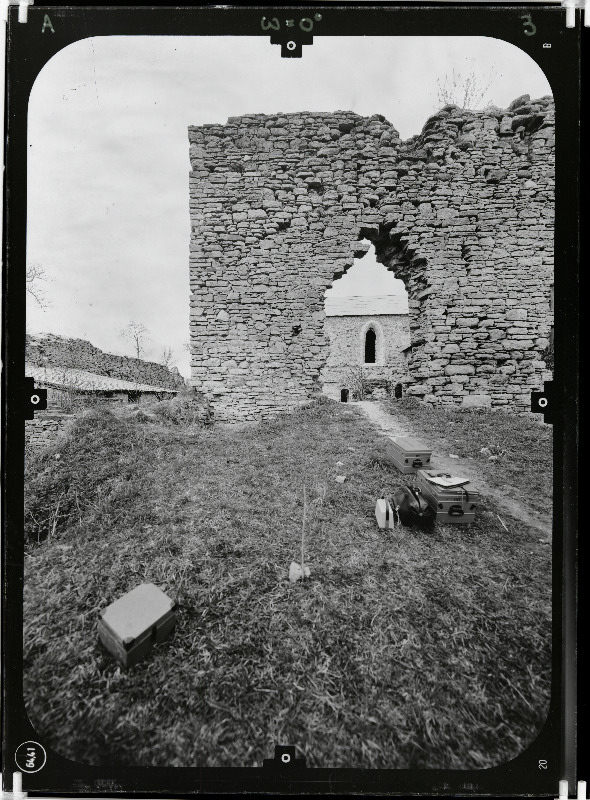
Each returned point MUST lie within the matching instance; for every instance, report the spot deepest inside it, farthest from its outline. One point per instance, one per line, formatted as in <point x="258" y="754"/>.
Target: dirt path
<point x="392" y="426"/>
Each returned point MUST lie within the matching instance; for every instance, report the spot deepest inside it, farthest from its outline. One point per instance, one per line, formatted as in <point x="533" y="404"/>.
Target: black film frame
<point x="27" y="52"/>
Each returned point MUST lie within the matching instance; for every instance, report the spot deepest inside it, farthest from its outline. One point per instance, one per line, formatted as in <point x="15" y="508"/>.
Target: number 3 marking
<point x="529" y="21"/>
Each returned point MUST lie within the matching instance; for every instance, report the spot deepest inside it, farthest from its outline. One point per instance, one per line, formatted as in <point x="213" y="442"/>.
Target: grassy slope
<point x="405" y="649"/>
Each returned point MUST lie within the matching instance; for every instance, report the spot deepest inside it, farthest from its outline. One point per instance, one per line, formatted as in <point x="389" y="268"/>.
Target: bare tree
<point x="71" y="395"/>
<point x="167" y="358"/>
<point x="35" y="277"/>
<point x="466" y="89"/>
<point x="360" y="384"/>
<point x="138" y="335"/>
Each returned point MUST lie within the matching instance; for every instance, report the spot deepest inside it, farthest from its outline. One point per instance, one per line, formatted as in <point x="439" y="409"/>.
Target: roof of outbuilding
<point x="79" y="379"/>
<point x="356" y="305"/>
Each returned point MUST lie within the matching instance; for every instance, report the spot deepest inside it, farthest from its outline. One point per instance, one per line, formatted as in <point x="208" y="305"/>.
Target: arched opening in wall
<point x="395" y="252"/>
<point x="367" y="322"/>
<point x="370" y="344"/>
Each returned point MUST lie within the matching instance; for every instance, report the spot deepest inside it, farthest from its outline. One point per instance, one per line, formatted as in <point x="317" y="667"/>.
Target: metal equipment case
<point x="456" y="505"/>
<point x="134" y="623"/>
<point x="408" y="454"/>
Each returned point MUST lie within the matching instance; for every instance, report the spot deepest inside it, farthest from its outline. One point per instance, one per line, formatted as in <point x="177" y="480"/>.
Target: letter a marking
<point x="47" y="24"/>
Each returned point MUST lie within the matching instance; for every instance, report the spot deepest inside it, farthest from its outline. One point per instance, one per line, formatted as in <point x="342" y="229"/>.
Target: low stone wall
<point x="45" y="428"/>
<point x="58" y="351"/>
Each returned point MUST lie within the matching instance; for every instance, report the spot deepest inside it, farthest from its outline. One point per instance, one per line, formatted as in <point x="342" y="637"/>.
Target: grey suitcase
<point x="455" y="505"/>
<point x="408" y="454"/>
<point x="133" y="624"/>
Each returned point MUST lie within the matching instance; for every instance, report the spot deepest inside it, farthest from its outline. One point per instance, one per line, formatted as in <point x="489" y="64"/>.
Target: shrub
<point x="188" y="408"/>
<point x="548" y="357"/>
<point x="360" y="384"/>
<point x="61" y="479"/>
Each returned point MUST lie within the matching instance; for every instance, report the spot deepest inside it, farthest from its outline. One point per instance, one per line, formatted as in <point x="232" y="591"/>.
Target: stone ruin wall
<point x="57" y="351"/>
<point x="44" y="429"/>
<point x="463" y="213"/>
<point x="346" y="360"/>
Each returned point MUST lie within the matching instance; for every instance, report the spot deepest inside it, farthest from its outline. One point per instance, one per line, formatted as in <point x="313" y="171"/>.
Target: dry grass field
<point x="404" y="649"/>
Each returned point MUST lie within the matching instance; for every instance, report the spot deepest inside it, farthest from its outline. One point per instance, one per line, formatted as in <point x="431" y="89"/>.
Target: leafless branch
<point x="465" y="89"/>
<point x="138" y="335"/>
<point x="167" y="358"/>
<point x="35" y="277"/>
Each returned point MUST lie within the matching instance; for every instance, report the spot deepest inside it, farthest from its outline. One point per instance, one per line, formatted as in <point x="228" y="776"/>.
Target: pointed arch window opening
<point x="370" y="346"/>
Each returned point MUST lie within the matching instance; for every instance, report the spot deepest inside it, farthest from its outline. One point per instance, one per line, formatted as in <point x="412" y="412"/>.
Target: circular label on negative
<point x="291" y="45"/>
<point x="30" y="757"/>
<point x="542" y="402"/>
<point x="285" y="758"/>
<point x="35" y="399"/>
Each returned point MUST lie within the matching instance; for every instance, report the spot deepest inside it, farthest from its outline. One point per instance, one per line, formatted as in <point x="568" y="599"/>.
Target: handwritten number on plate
<point x="272" y="24"/>
<point x="528" y="23"/>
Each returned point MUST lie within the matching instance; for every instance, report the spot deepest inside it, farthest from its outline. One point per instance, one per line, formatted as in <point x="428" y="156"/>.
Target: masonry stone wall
<point x="44" y="429"/>
<point x="346" y="360"/>
<point x="58" y="351"/>
<point x="463" y="213"/>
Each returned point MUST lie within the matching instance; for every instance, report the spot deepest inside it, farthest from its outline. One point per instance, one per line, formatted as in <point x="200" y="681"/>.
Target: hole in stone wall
<point x="296" y="330"/>
<point x="398" y="391"/>
<point x="315" y="186"/>
<point x="367" y="312"/>
<point x="368" y="277"/>
<point x="344" y="395"/>
<point x="466" y="256"/>
<point x="401" y="258"/>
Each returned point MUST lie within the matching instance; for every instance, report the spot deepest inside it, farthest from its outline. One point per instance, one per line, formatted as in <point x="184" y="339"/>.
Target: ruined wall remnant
<point x="463" y="213"/>
<point x="45" y="428"/>
<point x="58" y="351"/>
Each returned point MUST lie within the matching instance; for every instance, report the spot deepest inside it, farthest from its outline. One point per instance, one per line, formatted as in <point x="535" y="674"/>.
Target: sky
<point x="108" y="156"/>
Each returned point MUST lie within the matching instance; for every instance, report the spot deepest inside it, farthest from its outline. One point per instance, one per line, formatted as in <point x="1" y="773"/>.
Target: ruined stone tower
<point x="463" y="213"/>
